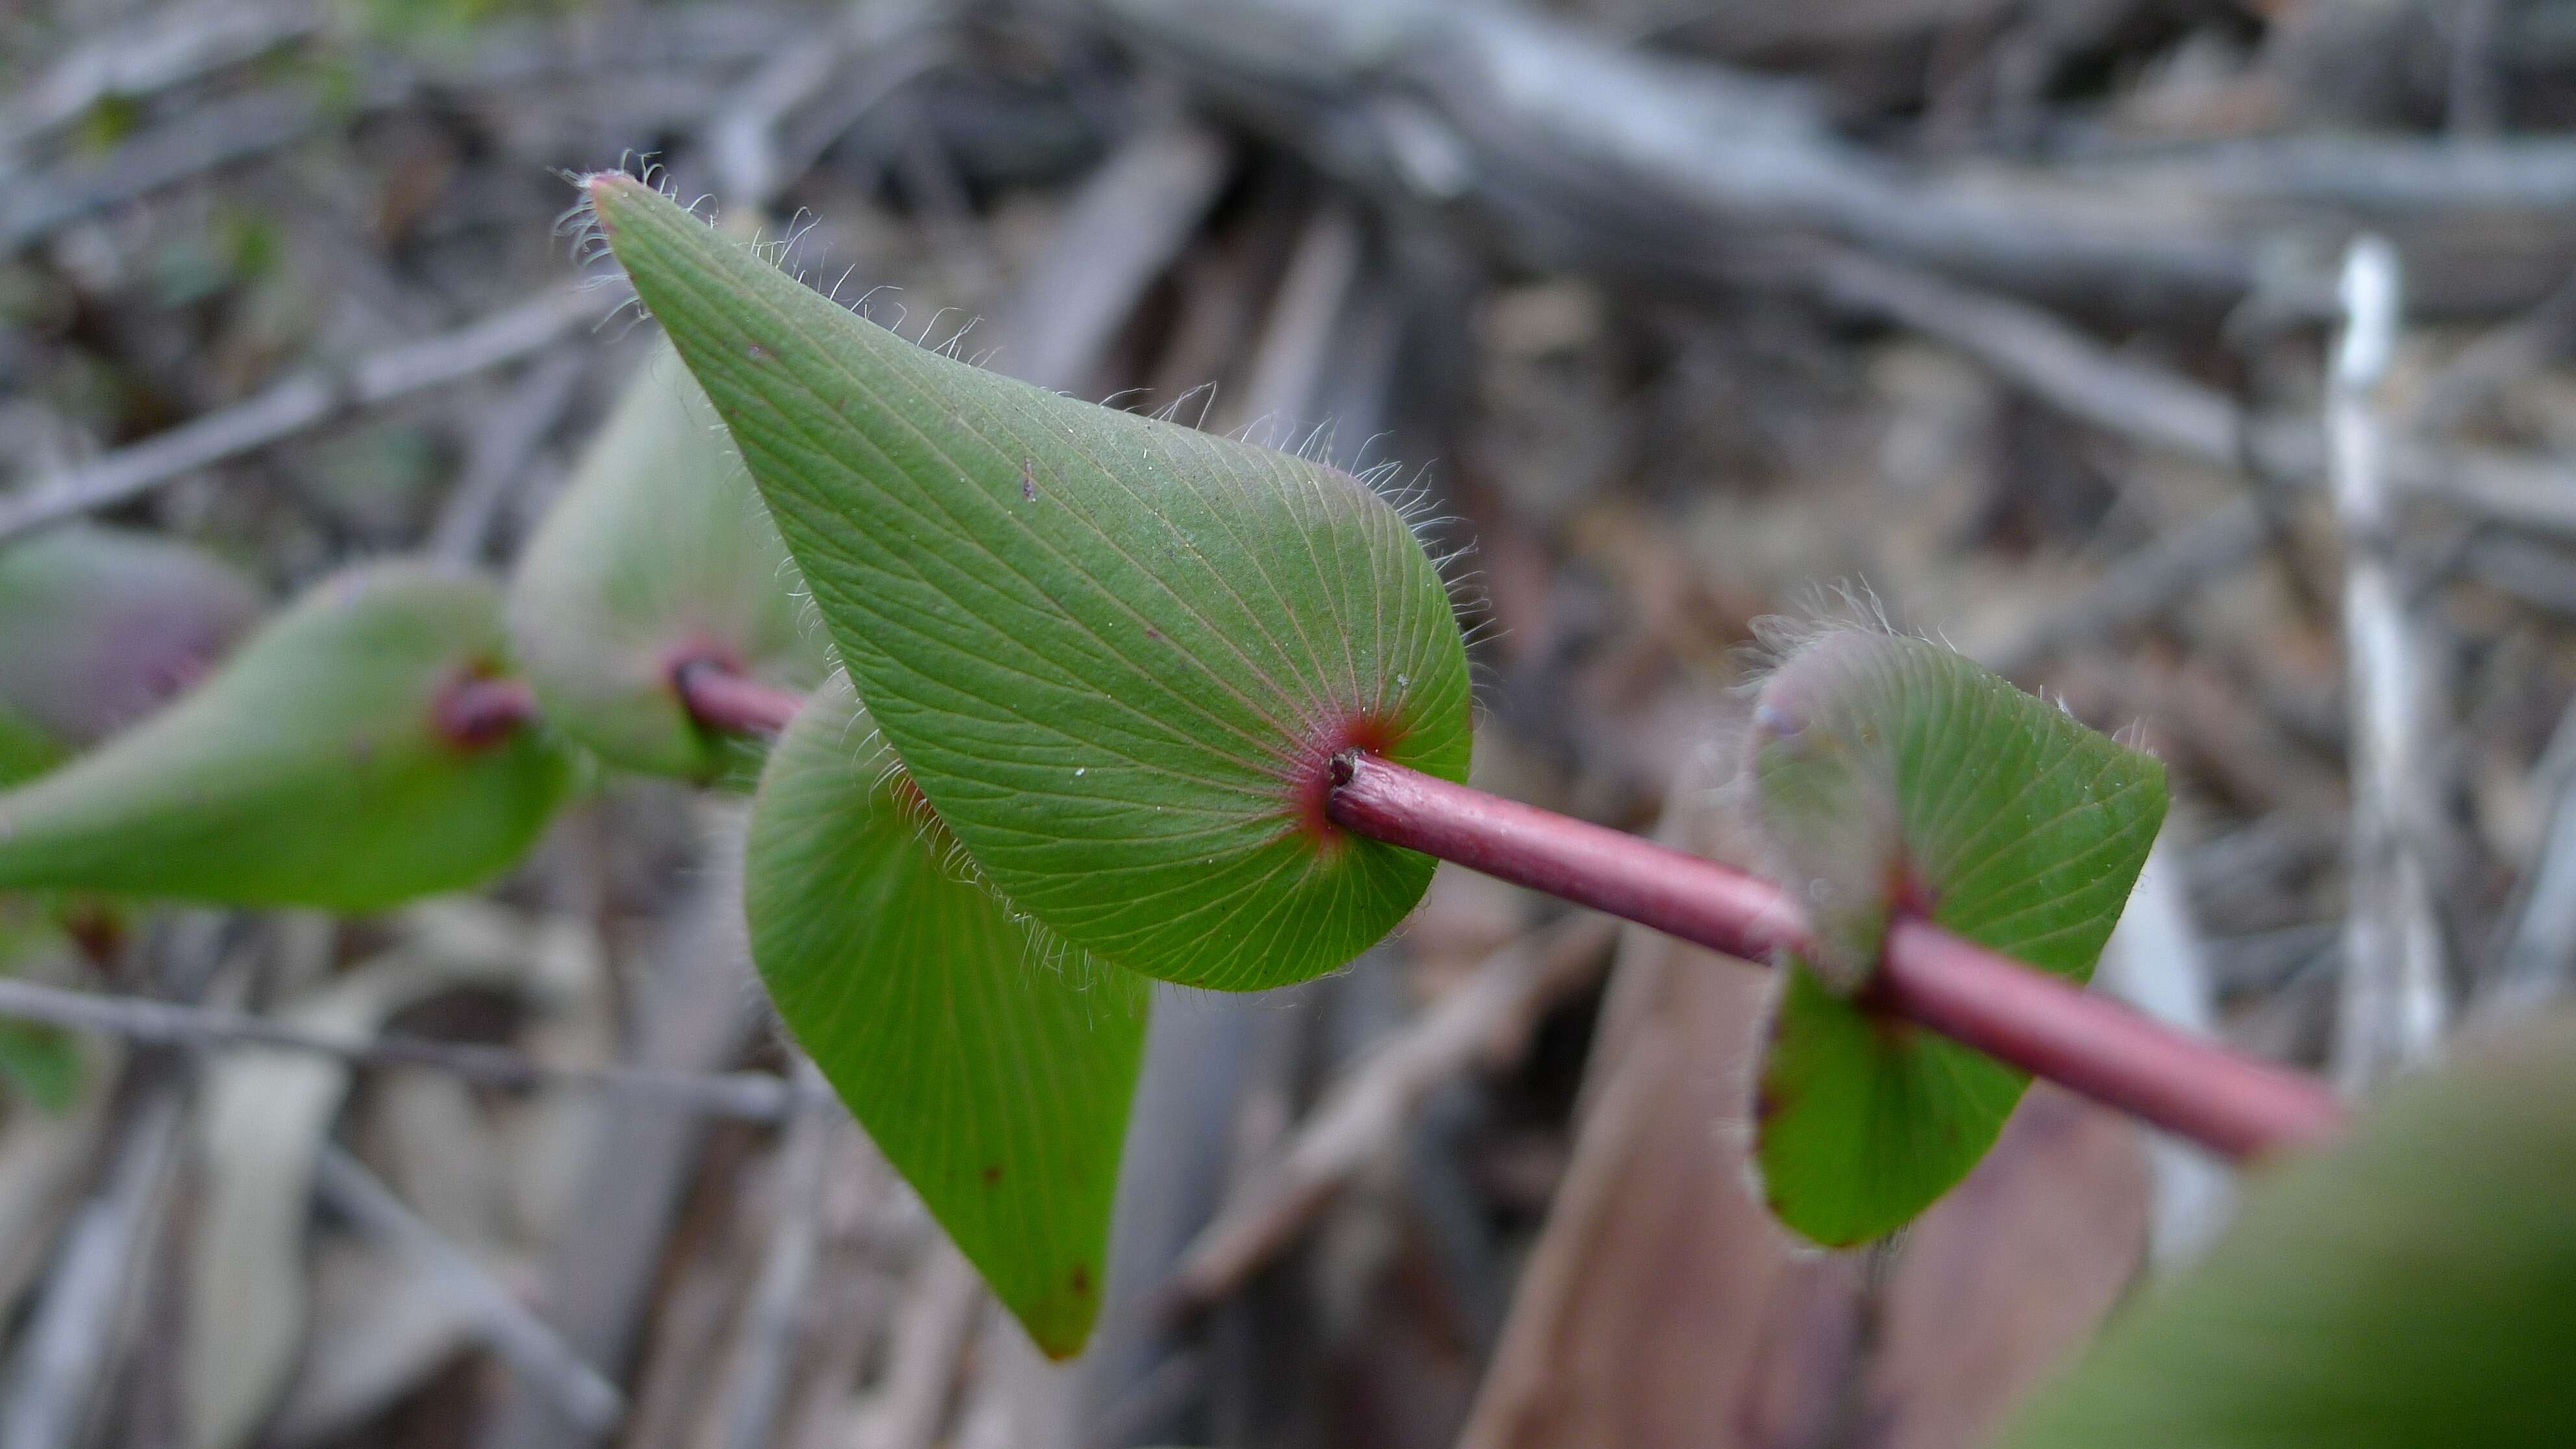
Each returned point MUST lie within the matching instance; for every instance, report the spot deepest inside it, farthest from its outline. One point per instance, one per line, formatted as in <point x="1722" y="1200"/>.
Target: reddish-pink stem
<point x="475" y="710"/>
<point x="723" y="699"/>
<point x="2229" y="1103"/>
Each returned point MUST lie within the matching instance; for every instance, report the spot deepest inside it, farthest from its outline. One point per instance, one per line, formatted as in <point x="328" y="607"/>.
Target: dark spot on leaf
<point x="1081" y="1281"/>
<point x="992" y="1174"/>
<point x="1028" y="481"/>
<point x="756" y="352"/>
<point x="1153" y="633"/>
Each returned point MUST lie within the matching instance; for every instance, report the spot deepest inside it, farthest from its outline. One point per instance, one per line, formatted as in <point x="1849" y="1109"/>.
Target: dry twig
<point x="746" y="1096"/>
<point x="776" y="1314"/>
<point x="1366" y="1111"/>
<point x="2539" y="955"/>
<point x="173" y="46"/>
<point x="931" y="1332"/>
<point x="63" y="1357"/>
<point x="532" y="1349"/>
<point x="300" y="403"/>
<point x="2156" y="963"/>
<point x="2394" y="1000"/>
<point x="499" y="453"/>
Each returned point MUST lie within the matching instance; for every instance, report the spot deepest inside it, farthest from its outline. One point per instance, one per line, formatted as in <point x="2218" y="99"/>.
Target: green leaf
<point x="26" y="751"/>
<point x="1115" y="653"/>
<point x="98" y="628"/>
<point x="1892" y="773"/>
<point x="991" y="1063"/>
<point x="2407" y="1286"/>
<point x="659" y="553"/>
<point x="309" y="770"/>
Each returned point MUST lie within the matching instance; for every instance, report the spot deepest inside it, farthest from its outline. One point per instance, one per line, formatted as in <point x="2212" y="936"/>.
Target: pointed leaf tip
<point x="1114" y="653"/>
<point x="1890" y="773"/>
<point x="990" y="1063"/>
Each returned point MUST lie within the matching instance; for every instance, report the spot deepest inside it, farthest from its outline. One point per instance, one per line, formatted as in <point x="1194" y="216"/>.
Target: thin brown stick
<point x="743" y="1096"/>
<point x="2162" y="409"/>
<point x="1366" y="1111"/>
<point x="300" y="403"/>
<point x="931" y="1333"/>
<point x="526" y="1342"/>
<point x="2394" y="1003"/>
<point x="775" y="1319"/>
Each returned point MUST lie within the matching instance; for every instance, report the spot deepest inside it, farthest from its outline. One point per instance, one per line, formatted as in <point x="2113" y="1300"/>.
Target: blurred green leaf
<point x="25" y="750"/>
<point x="309" y="770"/>
<point x="1893" y="773"/>
<point x="1115" y="653"/>
<point x="2408" y="1286"/>
<point x="990" y="1062"/>
<point x="99" y="627"/>
<point x="660" y="551"/>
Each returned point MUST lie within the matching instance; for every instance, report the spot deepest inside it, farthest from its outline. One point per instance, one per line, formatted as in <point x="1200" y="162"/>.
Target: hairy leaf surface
<point x="1891" y="773"/>
<point x="309" y="770"/>
<point x="992" y="1064"/>
<point x="2407" y="1286"/>
<point x="659" y="553"/>
<point x="1115" y="653"/>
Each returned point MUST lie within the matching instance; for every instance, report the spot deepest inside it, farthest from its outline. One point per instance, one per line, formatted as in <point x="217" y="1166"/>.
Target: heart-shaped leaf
<point x="2408" y="1286"/>
<point x="311" y="769"/>
<point x="1893" y="774"/>
<point x="1116" y="654"/>
<point x="660" y="554"/>
<point x="98" y="628"/>
<point x="991" y="1063"/>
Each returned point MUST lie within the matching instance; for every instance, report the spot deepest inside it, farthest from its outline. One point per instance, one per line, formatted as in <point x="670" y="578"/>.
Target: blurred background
<point x="2015" y="320"/>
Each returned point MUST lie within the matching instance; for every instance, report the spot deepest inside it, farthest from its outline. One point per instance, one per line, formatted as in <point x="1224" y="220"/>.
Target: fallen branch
<point x="218" y="134"/>
<point x="744" y="1096"/>
<point x="63" y="1353"/>
<point x="1366" y="1111"/>
<point x="171" y="47"/>
<point x="775" y="1318"/>
<point x="931" y="1333"/>
<point x="2394" y="1002"/>
<point x="2162" y="409"/>
<point x="1586" y="149"/>
<point x="2538" y="960"/>
<point x="533" y="1350"/>
<point x="301" y="403"/>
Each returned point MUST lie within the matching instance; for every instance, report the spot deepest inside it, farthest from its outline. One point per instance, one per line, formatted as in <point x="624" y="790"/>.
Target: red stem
<point x="723" y="699"/>
<point x="474" y="710"/>
<point x="2228" y="1103"/>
